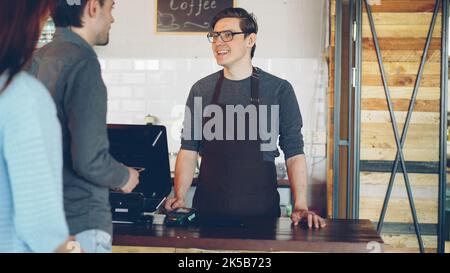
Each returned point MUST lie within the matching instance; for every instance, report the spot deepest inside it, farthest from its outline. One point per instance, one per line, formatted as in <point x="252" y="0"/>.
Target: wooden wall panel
<point x="418" y="155"/>
<point x="380" y="135"/>
<point x="434" y="56"/>
<point x="408" y="6"/>
<point x="401" y="18"/>
<point x="398" y="211"/>
<point x="402" y="27"/>
<point x="424" y="188"/>
<point x="377" y="92"/>
<point x="416" y="179"/>
<point x="395" y="243"/>
<point x="401" y="68"/>
<point x="399" y="31"/>
<point x="369" y="116"/>
<point x="404" y="80"/>
<point x="401" y="105"/>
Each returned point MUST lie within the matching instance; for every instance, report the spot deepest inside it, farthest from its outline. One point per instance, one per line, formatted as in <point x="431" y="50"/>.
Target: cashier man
<point x="233" y="120"/>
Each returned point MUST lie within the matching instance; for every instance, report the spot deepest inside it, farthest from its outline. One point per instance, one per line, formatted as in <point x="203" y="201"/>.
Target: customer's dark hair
<point x="248" y="22"/>
<point x="69" y="13"/>
<point x="20" y="29"/>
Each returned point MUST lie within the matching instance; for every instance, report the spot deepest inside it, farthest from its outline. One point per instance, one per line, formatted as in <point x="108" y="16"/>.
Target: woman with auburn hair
<point x="31" y="198"/>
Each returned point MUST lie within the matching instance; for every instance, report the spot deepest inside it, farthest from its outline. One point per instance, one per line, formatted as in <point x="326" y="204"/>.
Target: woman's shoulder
<point x="27" y="83"/>
<point x="27" y="93"/>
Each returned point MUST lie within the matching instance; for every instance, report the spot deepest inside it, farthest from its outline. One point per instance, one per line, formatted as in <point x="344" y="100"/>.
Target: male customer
<point x="69" y="68"/>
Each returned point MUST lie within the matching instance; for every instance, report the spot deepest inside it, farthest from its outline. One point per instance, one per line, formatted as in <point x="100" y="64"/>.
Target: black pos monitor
<point x="143" y="147"/>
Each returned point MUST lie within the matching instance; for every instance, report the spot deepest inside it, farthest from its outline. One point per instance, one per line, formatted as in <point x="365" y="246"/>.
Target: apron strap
<point x="218" y="88"/>
<point x="255" y="87"/>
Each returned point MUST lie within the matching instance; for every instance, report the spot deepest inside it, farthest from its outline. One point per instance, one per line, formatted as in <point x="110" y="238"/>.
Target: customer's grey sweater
<point x="70" y="69"/>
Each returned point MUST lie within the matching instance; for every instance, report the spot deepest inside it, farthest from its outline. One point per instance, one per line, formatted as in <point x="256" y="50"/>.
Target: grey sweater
<point x="273" y="92"/>
<point x="69" y="68"/>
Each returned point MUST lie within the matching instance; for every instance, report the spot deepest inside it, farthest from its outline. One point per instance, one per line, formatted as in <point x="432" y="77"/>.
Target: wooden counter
<point x="261" y="236"/>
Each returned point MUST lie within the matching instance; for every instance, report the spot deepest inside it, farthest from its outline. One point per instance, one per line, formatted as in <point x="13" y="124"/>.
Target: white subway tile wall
<point x="134" y="78"/>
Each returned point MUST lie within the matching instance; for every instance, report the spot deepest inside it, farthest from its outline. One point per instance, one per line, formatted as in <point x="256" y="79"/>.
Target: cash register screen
<point x="143" y="146"/>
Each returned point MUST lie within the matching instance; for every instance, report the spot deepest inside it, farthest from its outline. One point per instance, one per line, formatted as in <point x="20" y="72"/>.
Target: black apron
<point x="234" y="180"/>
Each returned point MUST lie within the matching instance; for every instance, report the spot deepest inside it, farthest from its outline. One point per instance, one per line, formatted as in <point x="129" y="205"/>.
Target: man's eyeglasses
<point x="225" y="36"/>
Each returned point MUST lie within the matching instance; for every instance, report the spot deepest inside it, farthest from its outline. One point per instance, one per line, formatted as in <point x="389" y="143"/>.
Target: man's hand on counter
<point x="313" y="219"/>
<point x="133" y="181"/>
<point x="173" y="203"/>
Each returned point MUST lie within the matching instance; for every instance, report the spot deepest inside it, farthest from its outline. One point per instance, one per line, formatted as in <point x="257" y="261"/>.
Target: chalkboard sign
<point x="188" y="15"/>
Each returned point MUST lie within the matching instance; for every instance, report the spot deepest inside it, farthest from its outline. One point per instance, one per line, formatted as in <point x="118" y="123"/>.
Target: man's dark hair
<point x="248" y="22"/>
<point x="68" y="13"/>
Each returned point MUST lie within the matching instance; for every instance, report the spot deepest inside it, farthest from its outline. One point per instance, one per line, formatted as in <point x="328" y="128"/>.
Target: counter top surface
<point x="255" y="235"/>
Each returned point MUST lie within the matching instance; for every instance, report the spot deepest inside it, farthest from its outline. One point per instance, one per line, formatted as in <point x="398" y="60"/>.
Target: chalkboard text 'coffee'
<point x="191" y="7"/>
<point x="188" y="15"/>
